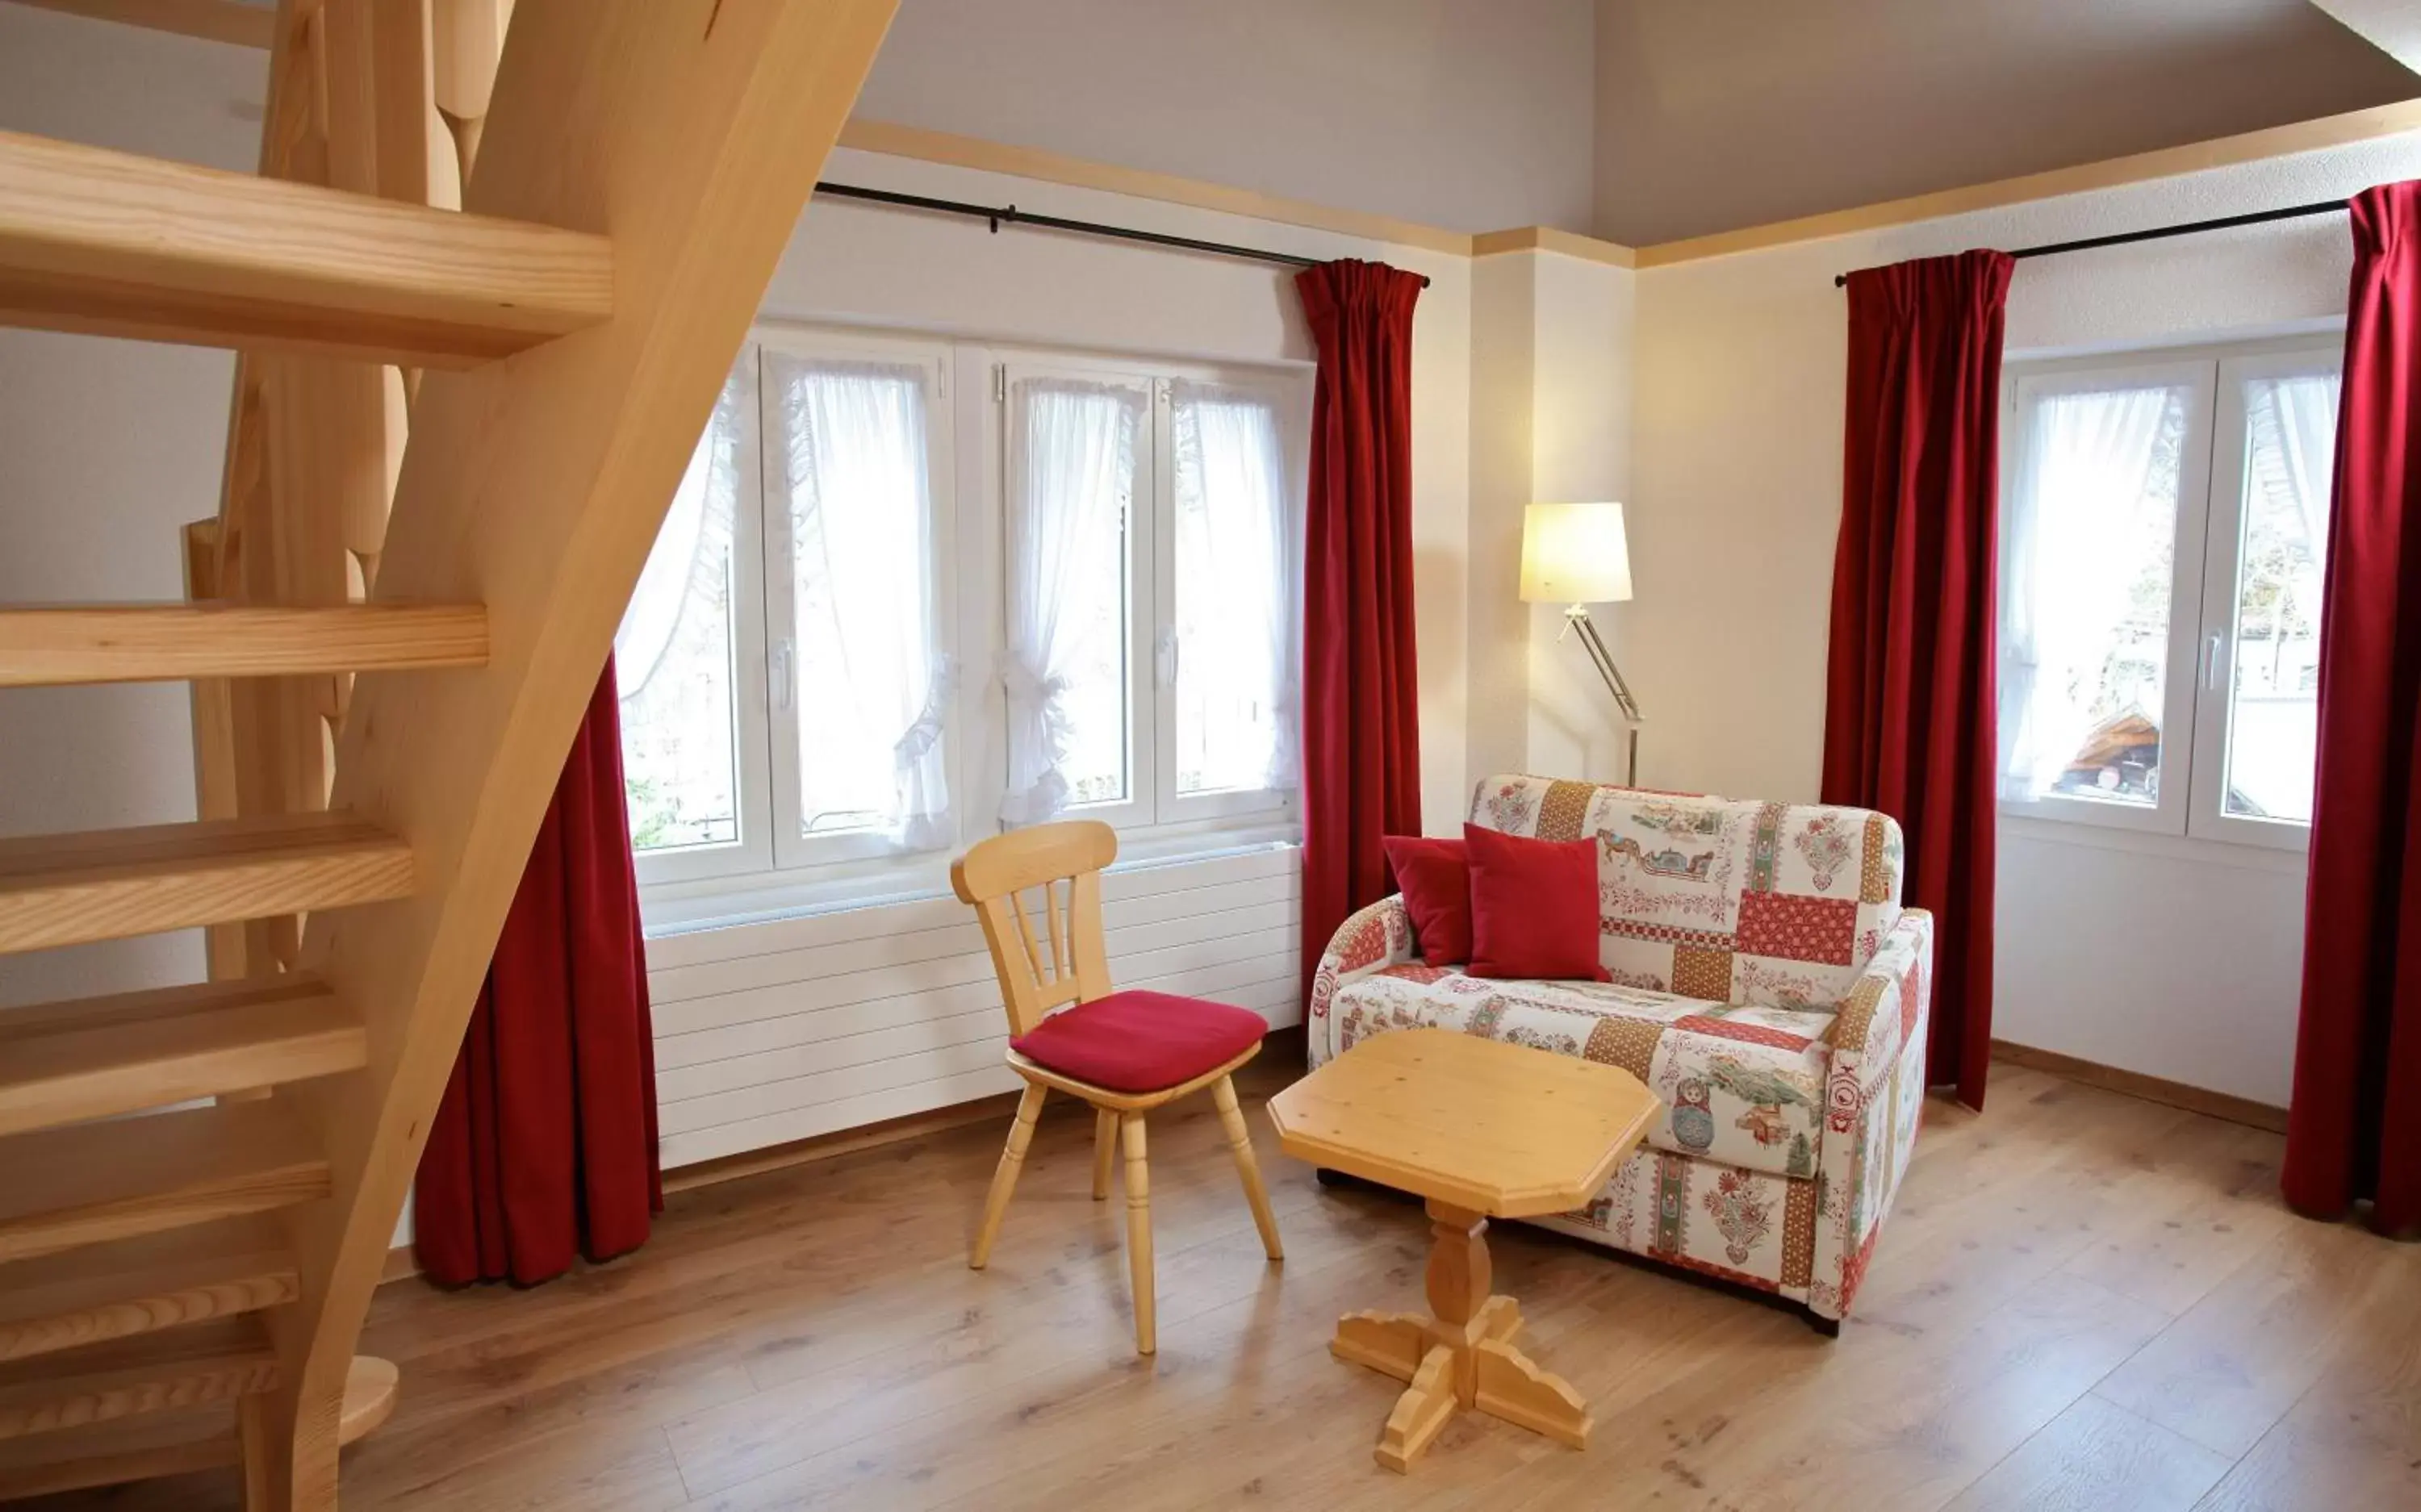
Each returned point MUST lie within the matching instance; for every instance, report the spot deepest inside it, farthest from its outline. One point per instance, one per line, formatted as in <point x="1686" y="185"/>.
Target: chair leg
<point x="1105" y="1151"/>
<point x="1004" y="1176"/>
<point x="1139" y="1231"/>
<point x="1239" y="1144"/>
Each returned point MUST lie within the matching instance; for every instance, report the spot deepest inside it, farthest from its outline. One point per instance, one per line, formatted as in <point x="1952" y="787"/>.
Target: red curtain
<point x="2355" y="1128"/>
<point x="1909" y="699"/>
<point x="545" y="1144"/>
<point x="1361" y="713"/>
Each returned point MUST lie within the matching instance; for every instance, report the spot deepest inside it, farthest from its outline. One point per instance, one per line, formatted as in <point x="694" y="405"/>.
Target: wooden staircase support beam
<point x="116" y="244"/>
<point x="693" y="131"/>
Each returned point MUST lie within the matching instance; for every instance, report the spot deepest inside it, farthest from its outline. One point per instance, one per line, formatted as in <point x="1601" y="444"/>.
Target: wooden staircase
<point x="464" y="401"/>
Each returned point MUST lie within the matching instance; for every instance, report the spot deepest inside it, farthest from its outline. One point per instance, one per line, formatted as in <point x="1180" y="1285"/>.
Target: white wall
<point x="108" y="448"/>
<point x="2180" y="962"/>
<point x="1472" y="115"/>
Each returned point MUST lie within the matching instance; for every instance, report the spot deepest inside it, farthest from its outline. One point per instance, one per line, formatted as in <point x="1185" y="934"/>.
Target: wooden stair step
<point x="64" y="1189"/>
<point x="107" y="884"/>
<point x="140" y="1285"/>
<point x="65" y="1062"/>
<point x="213" y="1361"/>
<point x="170" y="1442"/>
<point x="48" y="646"/>
<point x="118" y="244"/>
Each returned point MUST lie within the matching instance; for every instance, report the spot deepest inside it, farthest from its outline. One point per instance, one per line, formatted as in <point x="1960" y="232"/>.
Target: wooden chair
<point x="1124" y="1052"/>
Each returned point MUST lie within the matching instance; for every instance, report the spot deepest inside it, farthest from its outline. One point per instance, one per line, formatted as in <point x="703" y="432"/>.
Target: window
<point x="2162" y="561"/>
<point x="854" y="650"/>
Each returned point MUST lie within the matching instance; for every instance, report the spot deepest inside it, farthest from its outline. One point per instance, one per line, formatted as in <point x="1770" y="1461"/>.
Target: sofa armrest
<point x="1872" y="1091"/>
<point x="1371" y="940"/>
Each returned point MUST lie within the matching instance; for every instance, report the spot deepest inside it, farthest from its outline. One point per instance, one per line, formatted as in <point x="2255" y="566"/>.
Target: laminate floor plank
<point x="2083" y="1301"/>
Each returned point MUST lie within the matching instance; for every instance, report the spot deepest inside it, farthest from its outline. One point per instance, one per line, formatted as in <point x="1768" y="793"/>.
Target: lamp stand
<point x="1577" y="619"/>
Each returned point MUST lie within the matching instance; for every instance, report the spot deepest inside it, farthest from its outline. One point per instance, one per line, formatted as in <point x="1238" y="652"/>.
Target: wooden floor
<point x="2082" y="1301"/>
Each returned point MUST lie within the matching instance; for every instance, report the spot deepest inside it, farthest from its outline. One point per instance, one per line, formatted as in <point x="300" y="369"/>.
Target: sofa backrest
<point x="1780" y="905"/>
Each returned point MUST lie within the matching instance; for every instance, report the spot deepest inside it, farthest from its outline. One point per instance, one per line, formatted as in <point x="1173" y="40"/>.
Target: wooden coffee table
<point x="1480" y="1130"/>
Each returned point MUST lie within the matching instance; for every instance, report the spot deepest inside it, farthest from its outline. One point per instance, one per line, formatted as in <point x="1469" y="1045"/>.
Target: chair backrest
<point x="1062" y="864"/>
<point x="1779" y="905"/>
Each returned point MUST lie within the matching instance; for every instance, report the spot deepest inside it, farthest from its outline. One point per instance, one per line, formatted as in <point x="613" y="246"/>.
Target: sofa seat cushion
<point x="1138" y="1041"/>
<point x="1740" y="1084"/>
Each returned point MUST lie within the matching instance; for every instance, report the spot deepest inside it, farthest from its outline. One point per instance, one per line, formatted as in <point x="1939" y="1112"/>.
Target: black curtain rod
<point x="999" y="215"/>
<point x="2122" y="237"/>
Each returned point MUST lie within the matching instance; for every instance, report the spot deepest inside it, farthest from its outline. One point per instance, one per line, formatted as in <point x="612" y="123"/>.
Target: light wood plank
<point x="150" y="1447"/>
<point x="2097" y="1456"/>
<point x="139" y="1286"/>
<point x="117" y="244"/>
<point x="212" y="21"/>
<point x="63" y="1189"/>
<point x="63" y="1062"/>
<point x="694" y="131"/>
<point x="186" y="1368"/>
<point x="107" y="884"/>
<point x="152" y="643"/>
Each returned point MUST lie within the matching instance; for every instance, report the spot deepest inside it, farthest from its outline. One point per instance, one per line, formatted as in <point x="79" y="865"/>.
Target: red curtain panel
<point x="544" y="1147"/>
<point x="1909" y="699"/>
<point x="1361" y="713"/>
<point x="2355" y="1128"/>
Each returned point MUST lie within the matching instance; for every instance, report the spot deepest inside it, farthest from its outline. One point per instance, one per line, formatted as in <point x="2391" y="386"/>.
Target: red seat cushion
<point x="1141" y="1041"/>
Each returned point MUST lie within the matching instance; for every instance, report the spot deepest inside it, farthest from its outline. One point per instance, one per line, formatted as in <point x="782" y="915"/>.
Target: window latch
<point x="2211" y="651"/>
<point x="781" y="671"/>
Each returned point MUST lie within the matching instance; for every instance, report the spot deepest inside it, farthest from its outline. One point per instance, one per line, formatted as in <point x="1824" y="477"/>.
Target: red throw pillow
<point x="1533" y="906"/>
<point x="1437" y="894"/>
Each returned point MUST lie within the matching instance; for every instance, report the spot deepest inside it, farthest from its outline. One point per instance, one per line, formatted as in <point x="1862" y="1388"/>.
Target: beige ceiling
<point x="1719" y="114"/>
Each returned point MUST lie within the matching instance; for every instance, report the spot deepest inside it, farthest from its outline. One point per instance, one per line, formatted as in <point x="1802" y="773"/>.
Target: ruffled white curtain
<point x="1071" y="472"/>
<point x="2086" y="464"/>
<point x="1235" y="668"/>
<point x="688" y="563"/>
<point x="873" y="688"/>
<point x="2293" y="423"/>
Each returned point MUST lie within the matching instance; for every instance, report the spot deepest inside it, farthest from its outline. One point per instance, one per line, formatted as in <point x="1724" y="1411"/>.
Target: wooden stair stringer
<point x="695" y="130"/>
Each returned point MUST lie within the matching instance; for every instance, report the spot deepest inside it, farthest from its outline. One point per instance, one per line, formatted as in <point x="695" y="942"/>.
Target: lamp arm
<point x="1577" y="618"/>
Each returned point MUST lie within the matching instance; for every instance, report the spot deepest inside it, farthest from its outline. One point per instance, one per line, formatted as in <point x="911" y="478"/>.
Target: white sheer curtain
<point x="1234" y="660"/>
<point x="672" y="655"/>
<point x="2083" y="471"/>
<point x="871" y="684"/>
<point x="2294" y="436"/>
<point x="1071" y="476"/>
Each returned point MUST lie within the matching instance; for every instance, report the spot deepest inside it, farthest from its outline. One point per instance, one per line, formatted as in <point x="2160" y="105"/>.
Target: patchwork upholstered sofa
<point x="1767" y="985"/>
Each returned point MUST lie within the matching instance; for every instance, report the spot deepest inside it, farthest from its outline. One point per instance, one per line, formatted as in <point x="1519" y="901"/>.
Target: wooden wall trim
<point x="1058" y="168"/>
<point x="2220" y="1105"/>
<point x="2165" y="162"/>
<point x="1550" y="238"/>
<point x="213" y="21"/>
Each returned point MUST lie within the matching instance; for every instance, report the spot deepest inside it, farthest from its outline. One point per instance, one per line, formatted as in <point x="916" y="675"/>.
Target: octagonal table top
<point x="1494" y="1129"/>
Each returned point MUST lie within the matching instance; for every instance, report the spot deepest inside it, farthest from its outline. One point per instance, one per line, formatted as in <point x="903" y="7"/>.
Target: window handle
<point x="1168" y="658"/>
<point x="782" y="678"/>
<point x="2213" y="648"/>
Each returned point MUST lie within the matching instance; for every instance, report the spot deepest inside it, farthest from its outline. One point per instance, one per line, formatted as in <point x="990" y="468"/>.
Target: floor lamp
<point x="1578" y="555"/>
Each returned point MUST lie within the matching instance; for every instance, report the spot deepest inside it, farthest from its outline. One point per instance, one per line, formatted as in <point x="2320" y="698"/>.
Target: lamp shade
<point x="1574" y="553"/>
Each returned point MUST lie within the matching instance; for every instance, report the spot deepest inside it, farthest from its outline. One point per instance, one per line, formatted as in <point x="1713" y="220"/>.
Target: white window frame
<point x="2206" y="563"/>
<point x="772" y="868"/>
<point x="1155" y="812"/>
<point x="753" y="852"/>
<point x="1135" y="809"/>
<point x="2215" y="709"/>
<point x="793" y="848"/>
<point x="1294" y="438"/>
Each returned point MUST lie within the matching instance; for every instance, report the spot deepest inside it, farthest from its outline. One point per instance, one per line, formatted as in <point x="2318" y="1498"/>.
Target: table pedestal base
<point x="1462" y="1356"/>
